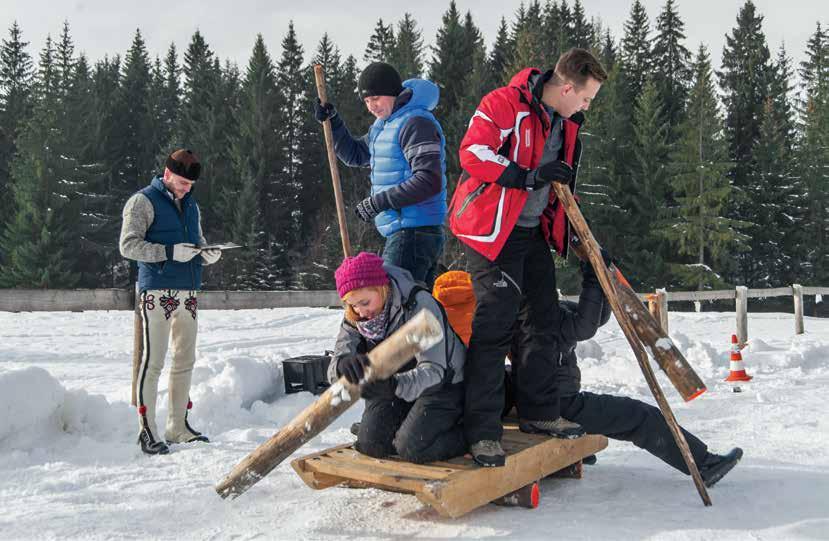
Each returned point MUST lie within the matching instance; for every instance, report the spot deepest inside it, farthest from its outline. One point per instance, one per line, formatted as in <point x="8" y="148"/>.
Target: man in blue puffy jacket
<point x="405" y="150"/>
<point x="162" y="232"/>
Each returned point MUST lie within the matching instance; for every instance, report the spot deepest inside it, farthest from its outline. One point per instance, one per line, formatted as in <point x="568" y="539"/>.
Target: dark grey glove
<point x="324" y="111"/>
<point x="353" y="367"/>
<point x="366" y="209"/>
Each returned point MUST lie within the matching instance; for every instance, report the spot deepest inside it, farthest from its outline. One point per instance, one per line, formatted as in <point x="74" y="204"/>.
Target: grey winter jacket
<point x="430" y="366"/>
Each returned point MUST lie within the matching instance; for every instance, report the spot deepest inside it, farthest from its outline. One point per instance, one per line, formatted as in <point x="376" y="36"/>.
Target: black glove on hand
<point x="589" y="273"/>
<point x="353" y="367"/>
<point x="379" y="389"/>
<point x="556" y="171"/>
<point x="366" y="210"/>
<point x="323" y="111"/>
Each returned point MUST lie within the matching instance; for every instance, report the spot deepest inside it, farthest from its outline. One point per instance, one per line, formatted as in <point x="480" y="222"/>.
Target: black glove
<point x="366" y="209"/>
<point x="555" y="171"/>
<point x="323" y="112"/>
<point x="522" y="179"/>
<point x="588" y="273"/>
<point x="353" y="367"/>
<point x="379" y="389"/>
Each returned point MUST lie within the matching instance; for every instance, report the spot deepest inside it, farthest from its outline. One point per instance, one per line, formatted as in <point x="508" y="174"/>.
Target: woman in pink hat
<point x="415" y="413"/>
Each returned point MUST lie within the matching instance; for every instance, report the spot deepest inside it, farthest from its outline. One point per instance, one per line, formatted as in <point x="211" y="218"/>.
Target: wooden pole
<point x="332" y="164"/>
<point x="137" y="343"/>
<point x="797" y="291"/>
<point x="579" y="224"/>
<point x="742" y="315"/>
<point x="418" y="334"/>
<point x="649" y="331"/>
<point x="662" y="309"/>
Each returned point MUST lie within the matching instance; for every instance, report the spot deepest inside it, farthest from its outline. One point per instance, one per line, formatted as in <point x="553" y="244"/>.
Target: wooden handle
<point x="137" y="344"/>
<point x="332" y="164"/>
<point x="594" y="255"/>
<point x="680" y="373"/>
<point x="418" y="334"/>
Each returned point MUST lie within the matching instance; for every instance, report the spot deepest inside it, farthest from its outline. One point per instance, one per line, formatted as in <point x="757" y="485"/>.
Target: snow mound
<point x="37" y="411"/>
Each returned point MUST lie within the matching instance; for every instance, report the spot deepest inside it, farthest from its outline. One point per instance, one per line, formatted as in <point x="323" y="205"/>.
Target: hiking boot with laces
<point x="714" y="467"/>
<point x="560" y="428"/>
<point x="488" y="453"/>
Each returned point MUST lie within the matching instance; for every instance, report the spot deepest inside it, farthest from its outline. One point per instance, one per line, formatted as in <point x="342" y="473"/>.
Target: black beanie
<point x="185" y="163"/>
<point x="379" y="79"/>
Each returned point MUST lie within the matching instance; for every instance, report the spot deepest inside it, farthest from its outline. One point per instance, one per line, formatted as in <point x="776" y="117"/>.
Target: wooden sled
<point x="455" y="487"/>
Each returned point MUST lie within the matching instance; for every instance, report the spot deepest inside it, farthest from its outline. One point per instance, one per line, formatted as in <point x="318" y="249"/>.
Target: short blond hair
<point x="350" y="315"/>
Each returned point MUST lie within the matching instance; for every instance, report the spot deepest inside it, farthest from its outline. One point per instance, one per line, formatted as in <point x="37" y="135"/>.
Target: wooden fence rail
<point x="78" y="300"/>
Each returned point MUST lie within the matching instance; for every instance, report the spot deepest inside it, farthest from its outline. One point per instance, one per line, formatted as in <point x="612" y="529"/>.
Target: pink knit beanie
<point x="363" y="270"/>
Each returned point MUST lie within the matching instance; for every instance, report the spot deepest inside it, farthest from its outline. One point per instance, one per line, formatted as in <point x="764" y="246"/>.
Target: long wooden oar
<point x="594" y="255"/>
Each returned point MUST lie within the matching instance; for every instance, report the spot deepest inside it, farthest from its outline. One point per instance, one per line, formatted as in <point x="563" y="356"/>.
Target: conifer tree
<point x="744" y="80"/>
<point x="38" y="240"/>
<point x="671" y="65"/>
<point x="813" y="156"/>
<point x="16" y="74"/>
<point x="381" y="44"/>
<point x="581" y="31"/>
<point x="256" y="161"/>
<point x="407" y="53"/>
<point x="500" y="57"/>
<point x="636" y="49"/>
<point x="697" y="226"/>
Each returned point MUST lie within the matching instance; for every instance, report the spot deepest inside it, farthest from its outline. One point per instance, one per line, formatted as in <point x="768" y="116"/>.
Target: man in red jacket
<point x="521" y="138"/>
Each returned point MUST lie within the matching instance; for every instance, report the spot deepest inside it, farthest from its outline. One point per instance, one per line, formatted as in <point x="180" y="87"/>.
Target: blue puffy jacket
<point x="171" y="226"/>
<point x="389" y="166"/>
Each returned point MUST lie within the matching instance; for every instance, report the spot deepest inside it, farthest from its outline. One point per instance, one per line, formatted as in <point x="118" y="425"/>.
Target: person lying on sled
<point x="617" y="417"/>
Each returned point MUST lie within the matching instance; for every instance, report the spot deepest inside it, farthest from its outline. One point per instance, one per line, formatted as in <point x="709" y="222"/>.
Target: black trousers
<point x="627" y="419"/>
<point x="517" y="305"/>
<point x="423" y="431"/>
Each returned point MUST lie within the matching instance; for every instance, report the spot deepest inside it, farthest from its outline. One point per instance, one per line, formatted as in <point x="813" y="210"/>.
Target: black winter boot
<point x="714" y="467"/>
<point x="149" y="444"/>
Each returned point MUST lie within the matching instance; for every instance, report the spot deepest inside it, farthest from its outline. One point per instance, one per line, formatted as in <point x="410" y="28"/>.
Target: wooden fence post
<point x="742" y="315"/>
<point x="662" y="309"/>
<point x="797" y="291"/>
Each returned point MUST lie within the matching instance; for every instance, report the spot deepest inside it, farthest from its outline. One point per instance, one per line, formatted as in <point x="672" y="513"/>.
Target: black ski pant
<point x="425" y="430"/>
<point x="517" y="302"/>
<point x="627" y="419"/>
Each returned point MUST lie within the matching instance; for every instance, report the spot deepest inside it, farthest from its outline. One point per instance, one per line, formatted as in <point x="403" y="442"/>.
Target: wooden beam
<point x="580" y="227"/>
<point x="797" y="291"/>
<point x="742" y="315"/>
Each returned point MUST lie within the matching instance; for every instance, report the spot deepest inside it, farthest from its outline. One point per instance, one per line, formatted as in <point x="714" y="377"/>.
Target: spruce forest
<point x="693" y="178"/>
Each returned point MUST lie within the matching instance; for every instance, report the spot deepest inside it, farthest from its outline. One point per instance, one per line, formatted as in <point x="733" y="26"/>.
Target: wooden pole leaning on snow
<point x="418" y="334"/>
<point x="653" y="336"/>
<point x="332" y="164"/>
<point x="594" y="256"/>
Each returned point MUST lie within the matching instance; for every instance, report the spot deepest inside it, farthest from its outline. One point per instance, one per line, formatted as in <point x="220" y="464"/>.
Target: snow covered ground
<point x="70" y="467"/>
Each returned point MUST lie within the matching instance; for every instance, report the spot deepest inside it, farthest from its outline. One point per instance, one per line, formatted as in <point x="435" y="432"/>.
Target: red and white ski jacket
<point x="507" y="131"/>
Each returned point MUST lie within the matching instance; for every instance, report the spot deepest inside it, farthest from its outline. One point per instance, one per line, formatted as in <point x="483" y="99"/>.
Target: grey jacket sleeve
<point x="348" y="339"/>
<point x="431" y="364"/>
<point x="137" y="217"/>
<point x="421" y="145"/>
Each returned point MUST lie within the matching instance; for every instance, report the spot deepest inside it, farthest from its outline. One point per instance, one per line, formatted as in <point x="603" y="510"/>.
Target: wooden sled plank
<point x="462" y="492"/>
<point x="453" y="487"/>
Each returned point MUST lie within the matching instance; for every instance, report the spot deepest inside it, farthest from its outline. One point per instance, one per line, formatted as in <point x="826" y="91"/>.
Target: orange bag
<point x="454" y="291"/>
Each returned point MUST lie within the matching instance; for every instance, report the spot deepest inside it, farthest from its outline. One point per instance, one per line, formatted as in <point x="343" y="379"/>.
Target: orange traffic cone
<point x="738" y="371"/>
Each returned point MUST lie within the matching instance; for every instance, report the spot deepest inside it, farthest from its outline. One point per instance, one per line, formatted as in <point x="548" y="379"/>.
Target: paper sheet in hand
<point x="222" y="246"/>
